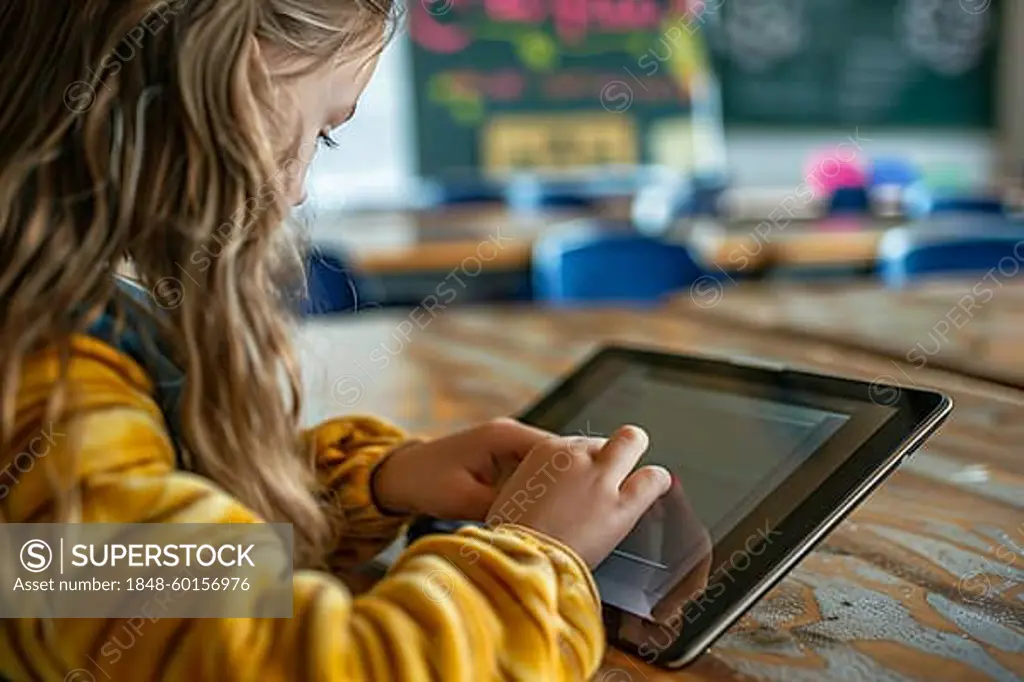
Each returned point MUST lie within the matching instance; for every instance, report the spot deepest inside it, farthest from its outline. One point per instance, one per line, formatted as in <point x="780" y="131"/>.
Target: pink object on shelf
<point x="829" y="170"/>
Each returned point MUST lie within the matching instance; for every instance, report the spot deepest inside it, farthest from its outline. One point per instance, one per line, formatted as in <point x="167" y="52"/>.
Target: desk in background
<point x="411" y="252"/>
<point x="907" y="588"/>
<point x="973" y="325"/>
<point x="845" y="244"/>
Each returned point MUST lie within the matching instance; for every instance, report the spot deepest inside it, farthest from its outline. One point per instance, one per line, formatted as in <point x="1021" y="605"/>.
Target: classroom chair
<point x="443" y="193"/>
<point x="973" y="247"/>
<point x="613" y="181"/>
<point x="532" y="194"/>
<point x="659" y="204"/>
<point x="849" y="200"/>
<point x="920" y="201"/>
<point x="707" y="194"/>
<point x="989" y="205"/>
<point x="334" y="287"/>
<point x="594" y="261"/>
<point x="657" y="207"/>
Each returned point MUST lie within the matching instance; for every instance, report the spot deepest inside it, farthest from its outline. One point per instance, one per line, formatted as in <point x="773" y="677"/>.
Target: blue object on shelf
<point x="951" y="246"/>
<point x="893" y="172"/>
<point x="593" y="261"/>
<point x="333" y="286"/>
<point x="847" y="200"/>
<point x="533" y="194"/>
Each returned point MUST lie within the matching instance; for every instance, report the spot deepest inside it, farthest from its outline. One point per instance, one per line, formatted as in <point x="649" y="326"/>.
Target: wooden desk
<point x="439" y="241"/>
<point x="762" y="244"/>
<point x="924" y="582"/>
<point x="972" y="326"/>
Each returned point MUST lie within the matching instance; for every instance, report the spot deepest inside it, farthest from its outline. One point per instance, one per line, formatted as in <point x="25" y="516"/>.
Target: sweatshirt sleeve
<point x="347" y="450"/>
<point x="479" y="605"/>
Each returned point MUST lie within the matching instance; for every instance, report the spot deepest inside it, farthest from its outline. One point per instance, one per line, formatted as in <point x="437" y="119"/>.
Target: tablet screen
<point x="728" y="450"/>
<point x="728" y="447"/>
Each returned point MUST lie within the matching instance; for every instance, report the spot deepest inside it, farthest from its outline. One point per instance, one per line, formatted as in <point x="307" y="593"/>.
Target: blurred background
<point x="573" y="152"/>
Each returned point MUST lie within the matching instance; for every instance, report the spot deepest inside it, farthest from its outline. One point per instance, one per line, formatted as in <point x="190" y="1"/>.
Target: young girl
<point x="173" y="136"/>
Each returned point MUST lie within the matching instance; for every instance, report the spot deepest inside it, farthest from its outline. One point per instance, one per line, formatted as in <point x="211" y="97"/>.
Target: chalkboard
<point x="556" y="84"/>
<point x="552" y="84"/>
<point x="919" y="63"/>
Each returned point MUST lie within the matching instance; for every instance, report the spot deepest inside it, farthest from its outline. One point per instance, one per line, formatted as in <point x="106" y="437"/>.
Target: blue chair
<point x="450" y="192"/>
<point x="594" y="261"/>
<point x="987" y="205"/>
<point x="333" y="286"/>
<point x="613" y="182"/>
<point x="531" y="194"/>
<point x="707" y="194"/>
<point x="919" y="201"/>
<point x="666" y="199"/>
<point x="658" y="206"/>
<point x="951" y="247"/>
<point x="847" y="200"/>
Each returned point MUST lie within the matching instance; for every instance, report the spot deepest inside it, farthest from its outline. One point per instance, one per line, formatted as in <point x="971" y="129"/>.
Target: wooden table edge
<point x="824" y="249"/>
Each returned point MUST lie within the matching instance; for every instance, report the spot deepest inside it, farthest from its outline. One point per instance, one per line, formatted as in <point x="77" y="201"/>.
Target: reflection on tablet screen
<point x="727" y="452"/>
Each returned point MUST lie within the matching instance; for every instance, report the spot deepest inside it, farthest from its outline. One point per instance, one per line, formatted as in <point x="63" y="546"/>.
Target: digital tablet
<point x="765" y="460"/>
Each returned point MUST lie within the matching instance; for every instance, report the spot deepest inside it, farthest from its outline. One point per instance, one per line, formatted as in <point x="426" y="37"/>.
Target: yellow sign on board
<point x="562" y="142"/>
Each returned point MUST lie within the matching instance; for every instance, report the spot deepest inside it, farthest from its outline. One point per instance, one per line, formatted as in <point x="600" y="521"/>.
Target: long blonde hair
<point x="145" y="131"/>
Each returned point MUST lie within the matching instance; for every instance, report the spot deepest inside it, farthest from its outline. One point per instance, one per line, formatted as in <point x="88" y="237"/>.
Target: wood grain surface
<point x="925" y="581"/>
<point x="971" y="326"/>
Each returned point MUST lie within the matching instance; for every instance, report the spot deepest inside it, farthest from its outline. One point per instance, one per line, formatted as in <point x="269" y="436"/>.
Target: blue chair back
<point x="528" y="194"/>
<point x="590" y="261"/>
<point x="658" y="206"/>
<point x="954" y="247"/>
<point x="847" y="200"/>
<point x="919" y="201"/>
<point x="667" y="198"/>
<point x="707" y="194"/>
<point x="986" y="205"/>
<point x="441" y="193"/>
<point x="334" y="287"/>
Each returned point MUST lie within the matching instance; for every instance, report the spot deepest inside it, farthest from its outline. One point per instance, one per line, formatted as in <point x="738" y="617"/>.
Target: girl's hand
<point x="583" y="491"/>
<point x="455" y="477"/>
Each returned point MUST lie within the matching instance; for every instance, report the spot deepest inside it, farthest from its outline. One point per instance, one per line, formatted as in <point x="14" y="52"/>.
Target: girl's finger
<point x="515" y="439"/>
<point x="622" y="451"/>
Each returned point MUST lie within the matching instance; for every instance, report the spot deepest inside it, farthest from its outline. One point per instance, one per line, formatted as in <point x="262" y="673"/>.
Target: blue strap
<point x="167" y="377"/>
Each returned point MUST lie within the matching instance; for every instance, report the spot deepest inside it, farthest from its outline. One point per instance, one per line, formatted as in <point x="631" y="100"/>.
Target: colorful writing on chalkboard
<point x="443" y="27"/>
<point x="498" y="82"/>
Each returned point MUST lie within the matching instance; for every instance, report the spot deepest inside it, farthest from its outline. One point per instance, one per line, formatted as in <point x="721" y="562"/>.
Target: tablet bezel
<point x="851" y="463"/>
